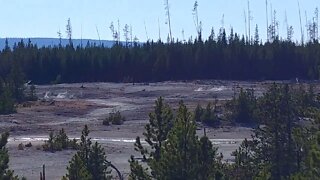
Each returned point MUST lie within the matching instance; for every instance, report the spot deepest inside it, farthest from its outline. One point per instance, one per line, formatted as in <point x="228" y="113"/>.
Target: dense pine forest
<point x="220" y="56"/>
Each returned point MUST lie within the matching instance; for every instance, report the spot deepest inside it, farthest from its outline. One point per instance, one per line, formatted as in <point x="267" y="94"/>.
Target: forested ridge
<point x="220" y="56"/>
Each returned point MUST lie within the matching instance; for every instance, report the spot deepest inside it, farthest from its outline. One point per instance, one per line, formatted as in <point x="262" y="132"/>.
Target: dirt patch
<point x="67" y="108"/>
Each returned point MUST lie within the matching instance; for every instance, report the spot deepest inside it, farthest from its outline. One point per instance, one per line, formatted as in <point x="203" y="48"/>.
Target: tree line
<point x="220" y="56"/>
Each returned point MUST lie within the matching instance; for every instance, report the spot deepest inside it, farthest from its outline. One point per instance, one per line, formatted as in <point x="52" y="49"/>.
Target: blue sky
<point x="43" y="18"/>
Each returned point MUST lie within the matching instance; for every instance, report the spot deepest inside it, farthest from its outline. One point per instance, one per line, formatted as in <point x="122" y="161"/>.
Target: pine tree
<point x="207" y="159"/>
<point x="97" y="165"/>
<point x="85" y="145"/>
<point x="15" y="81"/>
<point x="89" y="162"/>
<point x="137" y="171"/>
<point x="156" y="132"/>
<point x="179" y="158"/>
<point x="275" y="148"/>
<point x="242" y="107"/>
<point x="244" y="166"/>
<point x="198" y="113"/>
<point x="5" y="173"/>
<point x="182" y="155"/>
<point x="77" y="169"/>
<point x="7" y="104"/>
<point x="62" y="139"/>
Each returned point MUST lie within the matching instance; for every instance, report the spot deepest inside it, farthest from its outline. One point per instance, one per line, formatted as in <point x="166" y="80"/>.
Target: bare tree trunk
<point x="169" y="18"/>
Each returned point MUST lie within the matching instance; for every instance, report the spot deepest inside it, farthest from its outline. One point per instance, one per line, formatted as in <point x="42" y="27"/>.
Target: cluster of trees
<point x="242" y="108"/>
<point x="207" y="116"/>
<point x="173" y="150"/>
<point x="13" y="88"/>
<point x="89" y="162"/>
<point x="114" y="118"/>
<point x="220" y="56"/>
<point x="283" y="146"/>
<point x="59" y="142"/>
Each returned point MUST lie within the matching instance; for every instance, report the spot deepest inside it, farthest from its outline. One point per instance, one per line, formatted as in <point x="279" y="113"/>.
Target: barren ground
<point x="71" y="106"/>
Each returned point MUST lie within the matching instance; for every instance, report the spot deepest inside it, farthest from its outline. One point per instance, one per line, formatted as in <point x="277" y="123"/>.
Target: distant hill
<point x="40" y="42"/>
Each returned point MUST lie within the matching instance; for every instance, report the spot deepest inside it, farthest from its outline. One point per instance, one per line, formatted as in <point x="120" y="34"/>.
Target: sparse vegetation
<point x="59" y="142"/>
<point x="28" y="145"/>
<point x="241" y="109"/>
<point x="89" y="162"/>
<point x="21" y="146"/>
<point x="114" y="118"/>
<point x="207" y="116"/>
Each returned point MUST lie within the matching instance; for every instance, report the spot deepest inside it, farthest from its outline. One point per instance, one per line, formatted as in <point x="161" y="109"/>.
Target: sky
<point x="92" y="18"/>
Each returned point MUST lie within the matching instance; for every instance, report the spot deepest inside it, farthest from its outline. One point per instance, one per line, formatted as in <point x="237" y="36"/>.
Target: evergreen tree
<point x="179" y="159"/>
<point x="89" y="162"/>
<point x="242" y="108"/>
<point x="208" y="161"/>
<point x="198" y="113"/>
<point x="77" y="169"/>
<point x="7" y="105"/>
<point x="5" y="173"/>
<point x="85" y="145"/>
<point x="183" y="155"/>
<point x="97" y="165"/>
<point x="156" y="132"/>
<point x="16" y="82"/>
<point x="137" y="171"/>
<point x="312" y="161"/>
<point x="245" y="166"/>
<point x="275" y="148"/>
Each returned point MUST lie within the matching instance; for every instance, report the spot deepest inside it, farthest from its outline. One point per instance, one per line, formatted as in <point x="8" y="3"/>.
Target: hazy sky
<point x="43" y="18"/>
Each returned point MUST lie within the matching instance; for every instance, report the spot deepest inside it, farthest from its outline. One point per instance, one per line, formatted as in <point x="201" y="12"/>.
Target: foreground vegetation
<point x="283" y="146"/>
<point x="14" y="90"/>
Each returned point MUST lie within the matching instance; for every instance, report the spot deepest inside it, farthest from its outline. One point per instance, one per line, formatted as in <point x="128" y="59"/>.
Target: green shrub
<point x="28" y="145"/>
<point x="241" y="108"/>
<point x="31" y="95"/>
<point x="114" y="118"/>
<point x="59" y="142"/>
<point x="20" y="146"/>
<point x="207" y="116"/>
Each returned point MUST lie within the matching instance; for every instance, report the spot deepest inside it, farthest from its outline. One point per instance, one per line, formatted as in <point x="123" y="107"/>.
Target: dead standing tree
<point x="197" y="24"/>
<point x="114" y="33"/>
<point x="69" y="31"/>
<point x="167" y="8"/>
<point x="126" y="31"/>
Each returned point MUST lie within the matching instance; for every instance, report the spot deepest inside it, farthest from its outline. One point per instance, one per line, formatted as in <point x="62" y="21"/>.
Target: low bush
<point x="28" y="145"/>
<point x="114" y="118"/>
<point x="241" y="109"/>
<point x="207" y="116"/>
<point x="59" y="142"/>
<point x="20" y="146"/>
